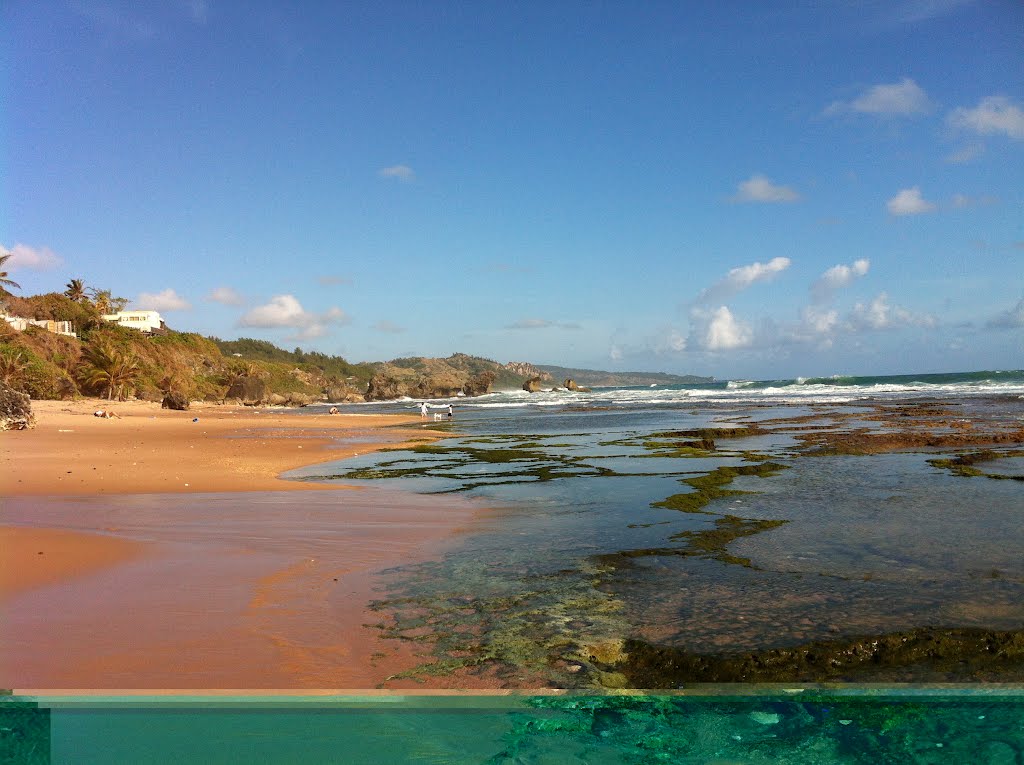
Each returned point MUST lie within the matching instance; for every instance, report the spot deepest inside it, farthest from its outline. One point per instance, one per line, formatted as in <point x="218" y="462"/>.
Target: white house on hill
<point x="144" y="321"/>
<point x="56" y="327"/>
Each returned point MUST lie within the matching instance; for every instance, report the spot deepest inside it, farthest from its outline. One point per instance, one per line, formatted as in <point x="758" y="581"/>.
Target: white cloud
<point x="815" y="321"/>
<point x="742" y="277"/>
<point x="909" y="202"/>
<point x="1011" y="319"/>
<point x="898" y="99"/>
<point x="401" y="172"/>
<point x="329" y="280"/>
<point x="675" y="341"/>
<point x="167" y="300"/>
<point x="285" y="311"/>
<point x="758" y="188"/>
<point x="225" y="296"/>
<point x="542" y="324"/>
<point x="838" y="277"/>
<point x="879" y="314"/>
<point x="719" y="330"/>
<point x="913" y="11"/>
<point x="199" y="10"/>
<point x="388" y="326"/>
<point x="615" y="353"/>
<point x="23" y="256"/>
<point x="993" y="115"/>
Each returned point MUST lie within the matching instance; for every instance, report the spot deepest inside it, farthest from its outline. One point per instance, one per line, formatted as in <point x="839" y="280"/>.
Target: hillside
<point x="594" y="378"/>
<point x="118" y="362"/>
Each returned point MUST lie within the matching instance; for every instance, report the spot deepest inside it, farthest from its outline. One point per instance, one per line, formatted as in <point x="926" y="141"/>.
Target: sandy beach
<point x="160" y="549"/>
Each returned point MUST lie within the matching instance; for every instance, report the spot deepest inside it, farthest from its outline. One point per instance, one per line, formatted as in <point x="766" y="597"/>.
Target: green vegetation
<point x="710" y="486"/>
<point x="964" y="465"/>
<point x="117" y="362"/>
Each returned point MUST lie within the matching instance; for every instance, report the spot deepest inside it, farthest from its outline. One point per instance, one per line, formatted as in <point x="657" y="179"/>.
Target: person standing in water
<point x="423" y="409"/>
<point x="451" y="412"/>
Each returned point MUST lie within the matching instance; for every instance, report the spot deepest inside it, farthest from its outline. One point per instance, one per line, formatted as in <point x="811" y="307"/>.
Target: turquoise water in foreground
<point x="755" y="725"/>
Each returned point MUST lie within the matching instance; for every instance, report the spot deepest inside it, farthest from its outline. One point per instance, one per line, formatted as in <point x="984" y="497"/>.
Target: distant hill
<point x="594" y="378"/>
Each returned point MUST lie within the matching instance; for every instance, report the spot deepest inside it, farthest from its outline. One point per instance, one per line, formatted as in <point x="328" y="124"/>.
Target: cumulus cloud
<point x="719" y="330"/>
<point x="225" y="296"/>
<point x="541" y="324"/>
<point x="838" y="277"/>
<point x="166" y="300"/>
<point x="909" y="202"/>
<point x="742" y="277"/>
<point x="880" y="314"/>
<point x="816" y="321"/>
<point x="758" y="188"/>
<point x="388" y="326"/>
<point x="899" y="99"/>
<point x="1011" y="319"/>
<point x="401" y="172"/>
<point x="285" y="311"/>
<point x="994" y="115"/>
<point x="34" y="259"/>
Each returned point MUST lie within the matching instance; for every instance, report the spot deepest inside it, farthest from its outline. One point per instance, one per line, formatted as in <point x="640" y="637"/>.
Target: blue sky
<point x="738" y="189"/>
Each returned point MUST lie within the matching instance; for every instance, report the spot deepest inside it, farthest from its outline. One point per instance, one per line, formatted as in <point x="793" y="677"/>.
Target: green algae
<point x="710" y="487"/>
<point x="554" y="626"/>
<point x="925" y="654"/>
<point x="705" y="543"/>
<point x="964" y="464"/>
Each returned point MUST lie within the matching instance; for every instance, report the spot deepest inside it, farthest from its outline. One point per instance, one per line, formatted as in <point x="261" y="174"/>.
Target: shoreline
<point x="209" y="448"/>
<point x="201" y="567"/>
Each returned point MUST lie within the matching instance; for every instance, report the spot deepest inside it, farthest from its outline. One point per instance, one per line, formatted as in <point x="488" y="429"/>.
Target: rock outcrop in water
<point x="457" y="375"/>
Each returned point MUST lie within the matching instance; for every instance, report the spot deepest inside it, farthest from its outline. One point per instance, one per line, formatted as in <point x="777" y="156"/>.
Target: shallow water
<point x="620" y="525"/>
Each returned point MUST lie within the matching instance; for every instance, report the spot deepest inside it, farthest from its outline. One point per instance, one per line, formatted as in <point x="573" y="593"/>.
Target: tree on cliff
<point x="105" y="301"/>
<point x="75" y="289"/>
<point x="4" y="281"/>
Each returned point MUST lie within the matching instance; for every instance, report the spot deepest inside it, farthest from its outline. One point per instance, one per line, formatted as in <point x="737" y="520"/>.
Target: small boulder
<point x="15" y="409"/>
<point x="175" y="400"/>
<point x="251" y="391"/>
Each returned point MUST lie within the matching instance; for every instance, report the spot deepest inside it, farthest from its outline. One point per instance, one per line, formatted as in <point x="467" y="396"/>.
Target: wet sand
<point x="194" y="565"/>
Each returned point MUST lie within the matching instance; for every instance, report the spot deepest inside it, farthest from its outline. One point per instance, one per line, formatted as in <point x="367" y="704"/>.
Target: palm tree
<point x="4" y="281"/>
<point x="105" y="301"/>
<point x="108" y="368"/>
<point x="102" y="300"/>
<point x="75" y="290"/>
<point x="12" y="368"/>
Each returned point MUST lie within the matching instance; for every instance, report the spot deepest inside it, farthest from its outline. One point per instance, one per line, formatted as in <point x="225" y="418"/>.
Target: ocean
<point x="840" y="529"/>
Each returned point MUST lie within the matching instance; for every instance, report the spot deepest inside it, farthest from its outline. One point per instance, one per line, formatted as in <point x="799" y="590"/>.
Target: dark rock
<point x="175" y="400"/>
<point x="15" y="409"/>
<point x="251" y="391"/>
